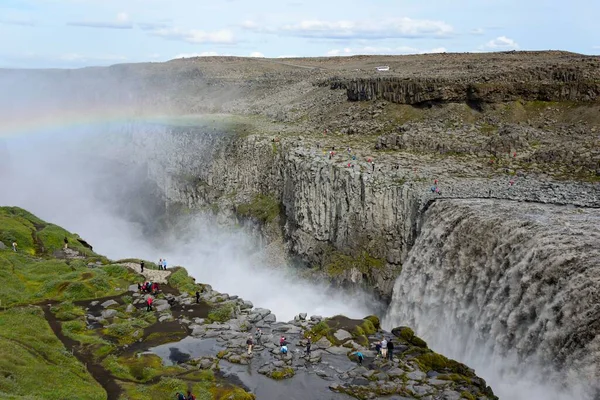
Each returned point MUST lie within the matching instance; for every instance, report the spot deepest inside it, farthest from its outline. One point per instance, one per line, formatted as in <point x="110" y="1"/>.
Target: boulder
<point x="302" y="316"/>
<point x="130" y="308"/>
<point x="109" y="313"/>
<point x="133" y="288"/>
<point x="342" y="335"/>
<point x="109" y="303"/>
<point x="163" y="307"/>
<point x="269" y="319"/>
<point x="2" y="246"/>
<point x="322" y="343"/>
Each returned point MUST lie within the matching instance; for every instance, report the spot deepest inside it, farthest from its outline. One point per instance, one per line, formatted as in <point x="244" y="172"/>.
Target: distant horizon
<point x="301" y="57"/>
<point x="74" y="33"/>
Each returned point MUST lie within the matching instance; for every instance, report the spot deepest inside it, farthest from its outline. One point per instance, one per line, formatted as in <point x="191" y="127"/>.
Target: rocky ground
<point x="413" y="372"/>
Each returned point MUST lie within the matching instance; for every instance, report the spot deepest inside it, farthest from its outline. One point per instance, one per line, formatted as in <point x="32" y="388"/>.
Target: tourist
<point x="180" y="396"/>
<point x="149" y="303"/>
<point x="66" y="242"/>
<point x="160" y="264"/>
<point x="284" y="350"/>
<point x="384" y="349"/>
<point x="378" y="348"/>
<point x="164" y="263"/>
<point x="14" y="246"/>
<point x="282" y="340"/>
<point x="258" y="335"/>
<point x="197" y="297"/>
<point x="308" y="344"/>
<point x="190" y="396"/>
<point x="390" y="350"/>
<point x="142" y="266"/>
<point x="360" y="357"/>
<point x="250" y="344"/>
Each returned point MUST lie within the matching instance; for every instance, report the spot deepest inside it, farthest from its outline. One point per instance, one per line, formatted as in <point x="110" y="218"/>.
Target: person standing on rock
<point x="384" y="348"/>
<point x="149" y="302"/>
<point x="359" y="357"/>
<point x="160" y="264"/>
<point x="164" y="264"/>
<point x="258" y="335"/>
<point x="308" y="344"/>
<point x="66" y="240"/>
<point x="142" y="266"/>
<point x="250" y="344"/>
<point x="282" y="340"/>
<point x="378" y="348"/>
<point x="197" y="297"/>
<point x="190" y="396"/>
<point x="390" y="350"/>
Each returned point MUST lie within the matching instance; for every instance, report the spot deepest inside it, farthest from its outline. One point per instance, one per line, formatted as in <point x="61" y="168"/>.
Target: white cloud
<point x="257" y="54"/>
<point x="122" y="17"/>
<point x="121" y="22"/>
<point x="195" y="36"/>
<point x="382" y="50"/>
<point x="502" y="43"/>
<point x="384" y="29"/>
<point x="288" y="56"/>
<point x="477" y="31"/>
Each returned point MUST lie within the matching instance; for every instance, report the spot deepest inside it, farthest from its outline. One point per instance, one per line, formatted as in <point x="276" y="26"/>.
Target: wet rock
<point x="109" y="303"/>
<point x="163" y="307"/>
<point x="109" y="313"/>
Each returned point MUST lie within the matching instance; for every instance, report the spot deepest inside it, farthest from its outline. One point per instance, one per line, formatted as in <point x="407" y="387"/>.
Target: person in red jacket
<point x="149" y="303"/>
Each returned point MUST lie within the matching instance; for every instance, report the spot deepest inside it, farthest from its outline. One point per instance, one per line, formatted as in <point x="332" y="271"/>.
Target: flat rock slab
<point x="342" y="335"/>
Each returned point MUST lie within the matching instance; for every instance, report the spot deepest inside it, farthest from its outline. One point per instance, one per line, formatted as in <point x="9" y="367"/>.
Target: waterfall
<point x="511" y="289"/>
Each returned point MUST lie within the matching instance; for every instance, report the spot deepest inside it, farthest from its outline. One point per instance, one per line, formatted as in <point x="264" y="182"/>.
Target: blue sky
<point x="77" y="33"/>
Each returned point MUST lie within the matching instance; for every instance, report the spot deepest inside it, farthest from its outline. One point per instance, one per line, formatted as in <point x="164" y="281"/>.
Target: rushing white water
<point x="511" y="289"/>
<point x="59" y="178"/>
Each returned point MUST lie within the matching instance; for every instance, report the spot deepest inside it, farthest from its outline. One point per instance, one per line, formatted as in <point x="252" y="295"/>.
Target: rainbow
<point x="20" y="124"/>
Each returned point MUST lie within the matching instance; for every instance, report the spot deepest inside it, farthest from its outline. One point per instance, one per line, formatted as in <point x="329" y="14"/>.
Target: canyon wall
<point x="357" y="225"/>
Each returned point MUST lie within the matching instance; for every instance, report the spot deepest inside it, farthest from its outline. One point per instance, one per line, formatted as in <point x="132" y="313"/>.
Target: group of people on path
<point x="149" y="287"/>
<point x="181" y="396"/>
<point x="162" y="264"/>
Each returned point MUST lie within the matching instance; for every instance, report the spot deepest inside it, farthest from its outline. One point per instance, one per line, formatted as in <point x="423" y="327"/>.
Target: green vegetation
<point x="140" y="368"/>
<point x="180" y="280"/>
<point x="360" y="329"/>
<point x="284" y="373"/>
<point x="433" y="361"/>
<point x="408" y="335"/>
<point x="221" y="314"/>
<point x="30" y="350"/>
<point x="337" y="263"/>
<point x="37" y="237"/>
<point x="263" y="208"/>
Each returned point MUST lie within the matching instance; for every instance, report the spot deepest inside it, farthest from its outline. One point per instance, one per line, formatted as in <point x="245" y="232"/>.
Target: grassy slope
<point x="29" y="350"/>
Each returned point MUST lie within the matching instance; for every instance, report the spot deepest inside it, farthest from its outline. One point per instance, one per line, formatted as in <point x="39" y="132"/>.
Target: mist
<point x="89" y="181"/>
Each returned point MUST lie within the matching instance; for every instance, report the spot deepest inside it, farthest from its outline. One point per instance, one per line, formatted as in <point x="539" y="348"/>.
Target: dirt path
<point x="98" y="372"/>
<point x="152" y="275"/>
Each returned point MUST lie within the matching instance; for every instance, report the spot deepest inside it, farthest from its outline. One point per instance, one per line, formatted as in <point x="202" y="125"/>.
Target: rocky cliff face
<point x="560" y="86"/>
<point x="355" y="224"/>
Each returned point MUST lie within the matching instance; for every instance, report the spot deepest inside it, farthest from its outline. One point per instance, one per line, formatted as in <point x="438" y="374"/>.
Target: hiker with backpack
<point x="149" y="302"/>
<point x="190" y="396"/>
<point x="258" y="336"/>
<point x="250" y="344"/>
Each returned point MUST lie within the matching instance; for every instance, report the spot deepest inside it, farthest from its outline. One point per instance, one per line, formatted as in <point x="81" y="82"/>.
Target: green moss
<point x="222" y="354"/>
<point x="221" y="314"/>
<point x="284" y="373"/>
<point x="467" y="395"/>
<point x="408" y="335"/>
<point x="67" y="311"/>
<point x="126" y="331"/>
<point x="263" y="208"/>
<point x="180" y="280"/>
<point x="141" y="368"/>
<point x="437" y="362"/>
<point x="374" y="320"/>
<point x="337" y="263"/>
<point x="30" y="350"/>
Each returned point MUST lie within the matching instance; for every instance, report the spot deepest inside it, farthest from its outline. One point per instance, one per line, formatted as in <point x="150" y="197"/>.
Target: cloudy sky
<point x="76" y="33"/>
